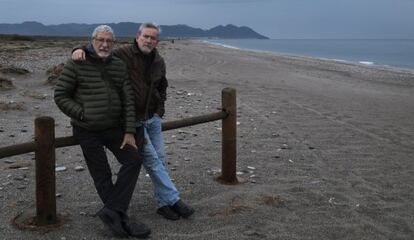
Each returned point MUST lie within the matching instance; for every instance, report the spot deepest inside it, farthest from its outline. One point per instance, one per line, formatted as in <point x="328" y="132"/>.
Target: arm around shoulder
<point x="78" y="53"/>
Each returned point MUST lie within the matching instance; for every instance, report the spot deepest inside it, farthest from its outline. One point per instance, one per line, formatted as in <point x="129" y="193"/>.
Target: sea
<point x="398" y="53"/>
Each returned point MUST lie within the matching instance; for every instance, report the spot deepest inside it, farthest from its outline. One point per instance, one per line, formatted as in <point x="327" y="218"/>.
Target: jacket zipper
<point x="109" y="90"/>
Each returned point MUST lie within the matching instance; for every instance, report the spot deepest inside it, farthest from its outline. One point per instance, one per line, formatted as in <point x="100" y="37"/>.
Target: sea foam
<point x="366" y="62"/>
<point x="222" y="45"/>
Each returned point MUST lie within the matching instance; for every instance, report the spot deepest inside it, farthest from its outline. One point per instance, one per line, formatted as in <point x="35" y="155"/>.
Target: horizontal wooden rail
<point x="71" y="141"/>
<point x="194" y="120"/>
<point x="17" y="149"/>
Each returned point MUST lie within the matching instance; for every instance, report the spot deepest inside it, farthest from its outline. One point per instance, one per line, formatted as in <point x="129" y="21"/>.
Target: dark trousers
<point x="115" y="196"/>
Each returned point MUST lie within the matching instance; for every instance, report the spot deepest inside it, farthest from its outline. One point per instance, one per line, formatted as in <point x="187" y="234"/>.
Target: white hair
<point x="103" y="28"/>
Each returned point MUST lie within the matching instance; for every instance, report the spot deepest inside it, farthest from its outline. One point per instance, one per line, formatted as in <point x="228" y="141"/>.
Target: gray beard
<point x="144" y="50"/>
<point x="103" y="54"/>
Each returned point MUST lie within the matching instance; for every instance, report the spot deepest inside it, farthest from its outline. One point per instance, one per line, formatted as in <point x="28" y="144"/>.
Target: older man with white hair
<point x="96" y="94"/>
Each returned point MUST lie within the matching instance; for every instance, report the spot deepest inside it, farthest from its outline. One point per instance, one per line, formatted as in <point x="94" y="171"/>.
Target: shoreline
<point x="282" y="54"/>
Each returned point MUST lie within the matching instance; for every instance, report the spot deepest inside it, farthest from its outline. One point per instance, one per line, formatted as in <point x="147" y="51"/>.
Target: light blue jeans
<point x="154" y="162"/>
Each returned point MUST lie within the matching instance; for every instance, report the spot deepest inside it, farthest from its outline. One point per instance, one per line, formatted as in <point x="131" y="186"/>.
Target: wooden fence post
<point x="229" y="143"/>
<point x="45" y="171"/>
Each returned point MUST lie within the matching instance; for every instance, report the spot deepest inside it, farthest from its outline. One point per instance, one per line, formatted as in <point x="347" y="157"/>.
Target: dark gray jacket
<point x="150" y="89"/>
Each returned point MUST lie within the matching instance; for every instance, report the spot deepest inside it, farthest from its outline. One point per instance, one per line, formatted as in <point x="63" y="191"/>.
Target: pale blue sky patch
<point x="273" y="18"/>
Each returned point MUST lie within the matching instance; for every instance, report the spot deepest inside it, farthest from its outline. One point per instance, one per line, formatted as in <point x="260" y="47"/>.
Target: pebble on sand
<point x="60" y="169"/>
<point x="79" y="168"/>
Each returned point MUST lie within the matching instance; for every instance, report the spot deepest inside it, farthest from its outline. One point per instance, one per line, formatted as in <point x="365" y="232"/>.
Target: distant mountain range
<point x="128" y="29"/>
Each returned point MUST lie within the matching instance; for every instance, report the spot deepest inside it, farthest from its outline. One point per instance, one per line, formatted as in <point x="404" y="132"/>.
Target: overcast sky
<point x="272" y="18"/>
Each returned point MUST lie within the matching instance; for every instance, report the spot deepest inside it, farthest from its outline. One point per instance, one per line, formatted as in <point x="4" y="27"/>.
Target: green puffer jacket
<point x="96" y="95"/>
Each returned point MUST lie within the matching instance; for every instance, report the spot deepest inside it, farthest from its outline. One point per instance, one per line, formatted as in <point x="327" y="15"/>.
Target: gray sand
<point x="325" y="148"/>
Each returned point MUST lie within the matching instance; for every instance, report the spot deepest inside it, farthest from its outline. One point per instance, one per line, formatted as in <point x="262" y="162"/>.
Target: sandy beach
<point x="325" y="148"/>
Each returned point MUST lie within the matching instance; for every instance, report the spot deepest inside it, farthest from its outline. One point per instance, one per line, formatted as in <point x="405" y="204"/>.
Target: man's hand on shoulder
<point x="78" y="55"/>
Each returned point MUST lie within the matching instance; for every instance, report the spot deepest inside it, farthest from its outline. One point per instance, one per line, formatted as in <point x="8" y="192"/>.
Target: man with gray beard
<point x="96" y="94"/>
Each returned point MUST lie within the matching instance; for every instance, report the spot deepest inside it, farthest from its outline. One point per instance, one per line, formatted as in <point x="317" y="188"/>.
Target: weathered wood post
<point x="229" y="143"/>
<point x="45" y="171"/>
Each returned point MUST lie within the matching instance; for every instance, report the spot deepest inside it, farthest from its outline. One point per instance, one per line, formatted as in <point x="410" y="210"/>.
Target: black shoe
<point x="182" y="209"/>
<point x="134" y="229"/>
<point x="137" y="229"/>
<point x="168" y="213"/>
<point x="113" y="221"/>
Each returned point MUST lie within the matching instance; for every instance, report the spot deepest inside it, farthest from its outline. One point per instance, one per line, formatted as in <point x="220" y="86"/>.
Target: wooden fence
<point x="45" y="144"/>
